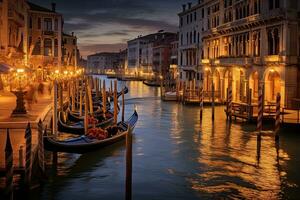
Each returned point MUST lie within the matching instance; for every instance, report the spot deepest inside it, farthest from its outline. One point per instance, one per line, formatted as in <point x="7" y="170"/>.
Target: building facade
<point x="147" y="54"/>
<point x="44" y="46"/>
<point x="13" y="20"/>
<point x="70" y="52"/>
<point x="247" y="44"/>
<point x="31" y="37"/>
<point x="102" y="63"/>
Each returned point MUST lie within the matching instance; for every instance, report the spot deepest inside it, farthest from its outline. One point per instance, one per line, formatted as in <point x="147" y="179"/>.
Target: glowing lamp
<point x="21" y="70"/>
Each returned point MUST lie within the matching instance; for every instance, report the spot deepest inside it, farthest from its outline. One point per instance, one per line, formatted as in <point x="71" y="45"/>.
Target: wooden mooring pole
<point x="201" y="101"/>
<point x="123" y="105"/>
<point x="9" y="167"/>
<point x="104" y="99"/>
<point x="260" y="113"/>
<point x="213" y="102"/>
<point x="115" y="103"/>
<point x="54" y="120"/>
<point x="277" y="118"/>
<point x="230" y="103"/>
<point x="41" y="146"/>
<point x="128" y="186"/>
<point x="86" y="123"/>
<point x="28" y="157"/>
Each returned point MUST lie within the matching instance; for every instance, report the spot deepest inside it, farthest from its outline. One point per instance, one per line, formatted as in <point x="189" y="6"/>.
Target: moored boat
<point x="85" y="143"/>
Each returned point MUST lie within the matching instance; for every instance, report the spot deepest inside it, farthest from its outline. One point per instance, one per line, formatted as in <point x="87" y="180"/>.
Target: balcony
<point x="188" y="46"/>
<point x="49" y="33"/>
<point x="233" y="61"/>
<point x="189" y="67"/>
<point x="276" y="59"/>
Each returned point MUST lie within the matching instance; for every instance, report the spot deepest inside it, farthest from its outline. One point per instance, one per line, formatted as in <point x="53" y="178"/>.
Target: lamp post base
<point x="20" y="109"/>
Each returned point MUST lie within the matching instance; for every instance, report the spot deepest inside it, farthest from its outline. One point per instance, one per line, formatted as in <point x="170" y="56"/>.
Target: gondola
<point x="84" y="144"/>
<point x="65" y="124"/>
<point x="74" y="116"/>
<point x="95" y="98"/>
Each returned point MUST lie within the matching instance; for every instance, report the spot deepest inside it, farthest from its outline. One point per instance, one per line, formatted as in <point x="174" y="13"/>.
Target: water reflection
<point x="177" y="157"/>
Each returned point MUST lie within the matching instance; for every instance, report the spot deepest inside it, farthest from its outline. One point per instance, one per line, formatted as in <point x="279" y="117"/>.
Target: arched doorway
<point x="254" y="84"/>
<point x="272" y="86"/>
<point x="217" y="83"/>
<point x="227" y="80"/>
<point x="207" y="80"/>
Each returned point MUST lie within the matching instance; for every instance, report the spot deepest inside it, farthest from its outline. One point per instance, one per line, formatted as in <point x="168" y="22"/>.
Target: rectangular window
<point x="56" y="25"/>
<point x="271" y="6"/>
<point x="39" y="23"/>
<point x="202" y="13"/>
<point x="195" y="16"/>
<point x="48" y="24"/>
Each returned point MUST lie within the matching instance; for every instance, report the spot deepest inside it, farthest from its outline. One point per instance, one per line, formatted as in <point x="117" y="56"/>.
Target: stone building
<point x="70" y="52"/>
<point x="141" y="57"/>
<point x="105" y="62"/>
<point x="44" y="37"/>
<point x="247" y="43"/>
<point x="13" y="19"/>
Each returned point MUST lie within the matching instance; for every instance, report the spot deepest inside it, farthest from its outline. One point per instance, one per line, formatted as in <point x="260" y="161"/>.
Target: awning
<point x="5" y="68"/>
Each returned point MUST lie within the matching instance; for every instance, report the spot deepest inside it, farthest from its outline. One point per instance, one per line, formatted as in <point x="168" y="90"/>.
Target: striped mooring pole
<point x="213" y="102"/>
<point x="28" y="155"/>
<point x="277" y="117"/>
<point x="41" y="146"/>
<point x="9" y="167"/>
<point x="230" y="102"/>
<point x="260" y="113"/>
<point x="260" y="108"/>
<point x="201" y="101"/>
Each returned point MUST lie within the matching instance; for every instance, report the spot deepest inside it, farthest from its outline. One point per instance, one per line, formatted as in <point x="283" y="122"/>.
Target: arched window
<point x="30" y="22"/>
<point x="187" y="38"/>
<point x="55" y="47"/>
<point x="48" y="47"/>
<point x="270" y="43"/>
<point x="37" y="47"/>
<point x="276" y="41"/>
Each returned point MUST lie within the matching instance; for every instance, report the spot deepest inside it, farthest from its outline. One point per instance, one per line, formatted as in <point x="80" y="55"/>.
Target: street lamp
<point x="20" y="104"/>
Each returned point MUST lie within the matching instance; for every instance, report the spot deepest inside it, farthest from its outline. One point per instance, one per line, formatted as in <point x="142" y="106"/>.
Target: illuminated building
<point x="246" y="43"/>
<point x="147" y="54"/>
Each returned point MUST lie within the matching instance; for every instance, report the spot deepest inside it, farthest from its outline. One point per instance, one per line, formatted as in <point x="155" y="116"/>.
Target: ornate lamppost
<point x="20" y="93"/>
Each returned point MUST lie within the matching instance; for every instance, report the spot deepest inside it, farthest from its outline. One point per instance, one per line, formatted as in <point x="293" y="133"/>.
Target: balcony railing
<point x="50" y="33"/>
<point x="233" y="61"/>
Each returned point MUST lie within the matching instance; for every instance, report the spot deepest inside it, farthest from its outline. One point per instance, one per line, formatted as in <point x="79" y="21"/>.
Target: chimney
<point x="199" y="1"/>
<point x="53" y="6"/>
<point x="183" y="7"/>
<point x="190" y="5"/>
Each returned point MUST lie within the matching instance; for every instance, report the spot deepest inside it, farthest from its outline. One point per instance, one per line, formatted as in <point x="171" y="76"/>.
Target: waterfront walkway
<point x="38" y="111"/>
<point x="17" y="125"/>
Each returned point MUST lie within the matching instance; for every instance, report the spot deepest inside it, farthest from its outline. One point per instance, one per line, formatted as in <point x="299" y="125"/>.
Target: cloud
<point x="88" y="49"/>
<point x="108" y="23"/>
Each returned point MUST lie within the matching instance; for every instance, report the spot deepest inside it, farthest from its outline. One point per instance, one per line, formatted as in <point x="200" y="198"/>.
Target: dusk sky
<point x="106" y="25"/>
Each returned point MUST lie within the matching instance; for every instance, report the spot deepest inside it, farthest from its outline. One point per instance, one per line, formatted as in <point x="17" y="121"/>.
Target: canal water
<point x="175" y="157"/>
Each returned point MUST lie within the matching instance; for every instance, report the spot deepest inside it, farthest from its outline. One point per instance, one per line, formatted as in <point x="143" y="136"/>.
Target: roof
<point x="105" y="54"/>
<point x="68" y="35"/>
<point x="152" y="37"/>
<point x="35" y="7"/>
